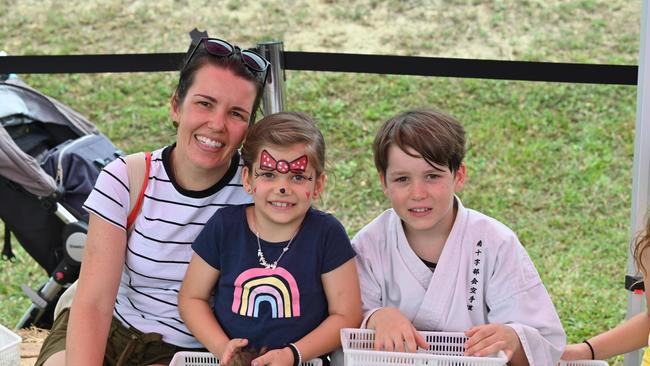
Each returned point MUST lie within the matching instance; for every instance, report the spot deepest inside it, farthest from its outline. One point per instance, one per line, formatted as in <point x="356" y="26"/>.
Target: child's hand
<point x="276" y="357"/>
<point x="490" y="338"/>
<point x="393" y="331"/>
<point x="231" y="347"/>
<point x="578" y="351"/>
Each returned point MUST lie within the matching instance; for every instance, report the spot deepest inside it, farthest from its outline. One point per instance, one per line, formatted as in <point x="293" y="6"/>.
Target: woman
<point x="125" y="308"/>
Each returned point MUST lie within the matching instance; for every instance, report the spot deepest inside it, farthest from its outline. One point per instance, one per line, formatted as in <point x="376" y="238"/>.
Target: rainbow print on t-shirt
<point x="276" y="286"/>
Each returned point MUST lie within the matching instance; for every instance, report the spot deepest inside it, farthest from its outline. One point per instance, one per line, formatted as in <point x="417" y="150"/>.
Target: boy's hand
<point x="394" y="332"/>
<point x="231" y="347"/>
<point x="578" y="351"/>
<point x="490" y="338"/>
<point x="276" y="357"/>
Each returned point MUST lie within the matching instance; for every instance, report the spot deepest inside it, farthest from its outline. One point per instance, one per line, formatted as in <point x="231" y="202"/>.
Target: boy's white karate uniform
<point x="483" y="276"/>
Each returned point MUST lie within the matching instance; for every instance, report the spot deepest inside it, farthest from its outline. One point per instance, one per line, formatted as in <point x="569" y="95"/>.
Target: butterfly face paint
<point x="268" y="163"/>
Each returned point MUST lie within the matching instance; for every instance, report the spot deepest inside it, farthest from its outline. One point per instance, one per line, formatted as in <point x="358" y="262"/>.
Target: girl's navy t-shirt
<point x="271" y="307"/>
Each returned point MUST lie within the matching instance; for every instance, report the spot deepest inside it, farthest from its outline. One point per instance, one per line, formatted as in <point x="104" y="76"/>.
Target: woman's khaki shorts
<point x="126" y="346"/>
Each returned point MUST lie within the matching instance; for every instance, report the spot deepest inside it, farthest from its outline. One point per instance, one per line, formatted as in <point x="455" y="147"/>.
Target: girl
<point x="282" y="272"/>
<point x="630" y="335"/>
<point x="124" y="310"/>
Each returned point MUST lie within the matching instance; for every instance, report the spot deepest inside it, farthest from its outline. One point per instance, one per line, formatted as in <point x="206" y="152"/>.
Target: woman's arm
<point x="344" y="306"/>
<point x="194" y="307"/>
<point x="92" y="308"/>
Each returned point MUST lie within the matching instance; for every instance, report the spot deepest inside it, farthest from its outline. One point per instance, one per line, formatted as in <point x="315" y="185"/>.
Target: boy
<point x="429" y="263"/>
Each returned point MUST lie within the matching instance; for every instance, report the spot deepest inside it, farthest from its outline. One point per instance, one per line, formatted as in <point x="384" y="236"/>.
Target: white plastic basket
<point x="9" y="347"/>
<point x="445" y="349"/>
<point x="207" y="359"/>
<point x="583" y="363"/>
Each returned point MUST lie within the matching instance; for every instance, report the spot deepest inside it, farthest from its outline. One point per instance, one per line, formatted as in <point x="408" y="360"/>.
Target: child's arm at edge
<point x="197" y="314"/>
<point x="626" y="337"/>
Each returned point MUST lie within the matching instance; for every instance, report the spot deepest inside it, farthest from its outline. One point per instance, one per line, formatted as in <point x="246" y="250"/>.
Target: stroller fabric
<point x="49" y="154"/>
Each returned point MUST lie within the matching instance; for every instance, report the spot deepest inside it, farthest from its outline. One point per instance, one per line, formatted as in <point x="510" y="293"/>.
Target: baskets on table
<point x="208" y="359"/>
<point x="9" y="347"/>
<point x="445" y="348"/>
<point x="582" y="363"/>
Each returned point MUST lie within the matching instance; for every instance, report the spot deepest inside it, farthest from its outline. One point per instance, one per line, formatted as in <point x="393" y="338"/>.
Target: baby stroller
<point x="50" y="157"/>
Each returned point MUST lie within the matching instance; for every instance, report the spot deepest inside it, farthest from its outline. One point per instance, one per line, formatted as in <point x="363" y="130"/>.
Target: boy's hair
<point x="233" y="63"/>
<point x="285" y="129"/>
<point x="438" y="138"/>
<point x="642" y="242"/>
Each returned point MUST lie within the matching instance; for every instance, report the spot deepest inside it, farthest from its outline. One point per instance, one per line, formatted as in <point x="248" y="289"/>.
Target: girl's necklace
<point x="260" y="255"/>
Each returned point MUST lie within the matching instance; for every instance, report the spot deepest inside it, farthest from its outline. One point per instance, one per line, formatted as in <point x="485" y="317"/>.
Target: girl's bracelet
<point x="297" y="358"/>
<point x="593" y="354"/>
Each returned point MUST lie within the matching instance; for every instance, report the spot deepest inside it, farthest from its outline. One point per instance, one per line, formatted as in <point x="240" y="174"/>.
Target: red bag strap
<point x="138" y="166"/>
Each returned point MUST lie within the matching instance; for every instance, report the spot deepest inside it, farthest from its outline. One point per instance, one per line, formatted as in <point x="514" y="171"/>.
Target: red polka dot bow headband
<point x="268" y="163"/>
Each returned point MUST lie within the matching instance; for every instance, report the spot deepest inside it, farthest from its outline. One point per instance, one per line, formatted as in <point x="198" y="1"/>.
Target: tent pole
<point x="641" y="171"/>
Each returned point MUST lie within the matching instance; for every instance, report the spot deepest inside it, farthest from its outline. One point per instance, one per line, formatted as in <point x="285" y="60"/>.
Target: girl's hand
<point x="276" y="357"/>
<point x="231" y="347"/>
<point x="579" y="351"/>
<point x="491" y="338"/>
<point x="394" y="332"/>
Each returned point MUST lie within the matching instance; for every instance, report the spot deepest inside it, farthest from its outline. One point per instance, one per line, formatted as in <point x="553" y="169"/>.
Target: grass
<point x="551" y="160"/>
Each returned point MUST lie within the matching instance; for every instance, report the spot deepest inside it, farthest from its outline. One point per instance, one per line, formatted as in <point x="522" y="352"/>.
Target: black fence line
<point x="342" y="62"/>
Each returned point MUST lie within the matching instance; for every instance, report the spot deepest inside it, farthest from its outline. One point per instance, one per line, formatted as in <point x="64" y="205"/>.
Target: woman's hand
<point x="488" y="339"/>
<point x="394" y="332"/>
<point x="276" y="357"/>
<point x="231" y="348"/>
<point x="579" y="351"/>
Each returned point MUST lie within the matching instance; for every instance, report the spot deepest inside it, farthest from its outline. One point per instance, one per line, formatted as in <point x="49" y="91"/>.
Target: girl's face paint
<point x="282" y="197"/>
<point x="269" y="163"/>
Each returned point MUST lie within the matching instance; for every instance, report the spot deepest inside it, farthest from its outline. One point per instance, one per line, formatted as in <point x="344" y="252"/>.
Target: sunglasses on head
<point x="220" y="48"/>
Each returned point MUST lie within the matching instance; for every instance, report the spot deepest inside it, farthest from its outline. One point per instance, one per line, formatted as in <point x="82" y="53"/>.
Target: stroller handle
<point x="64" y="215"/>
